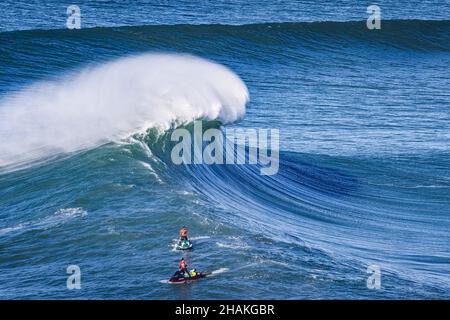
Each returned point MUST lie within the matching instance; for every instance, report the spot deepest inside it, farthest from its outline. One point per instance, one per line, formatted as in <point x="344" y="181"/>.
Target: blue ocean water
<point x="364" y="149"/>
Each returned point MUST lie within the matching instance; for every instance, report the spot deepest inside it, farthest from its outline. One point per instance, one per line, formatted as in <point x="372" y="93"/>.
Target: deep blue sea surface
<point x="85" y="171"/>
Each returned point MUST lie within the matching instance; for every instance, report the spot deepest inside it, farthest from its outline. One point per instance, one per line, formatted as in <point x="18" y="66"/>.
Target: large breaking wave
<point x="112" y="101"/>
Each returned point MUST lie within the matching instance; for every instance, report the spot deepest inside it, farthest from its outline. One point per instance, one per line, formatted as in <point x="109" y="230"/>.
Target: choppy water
<point x="364" y="137"/>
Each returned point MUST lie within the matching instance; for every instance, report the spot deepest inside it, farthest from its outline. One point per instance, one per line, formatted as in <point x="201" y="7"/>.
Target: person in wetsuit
<point x="183" y="234"/>
<point x="183" y="268"/>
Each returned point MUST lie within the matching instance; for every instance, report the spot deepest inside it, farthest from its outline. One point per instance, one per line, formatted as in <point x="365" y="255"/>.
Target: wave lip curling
<point x="114" y="100"/>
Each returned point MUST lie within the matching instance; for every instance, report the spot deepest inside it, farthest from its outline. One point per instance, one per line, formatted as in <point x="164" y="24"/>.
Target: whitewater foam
<point x="61" y="216"/>
<point x="151" y="171"/>
<point x="112" y="101"/>
<point x="219" y="271"/>
<point x="199" y="238"/>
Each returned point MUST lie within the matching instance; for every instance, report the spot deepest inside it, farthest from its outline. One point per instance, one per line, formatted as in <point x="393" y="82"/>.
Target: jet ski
<point x="181" y="277"/>
<point x="184" y="245"/>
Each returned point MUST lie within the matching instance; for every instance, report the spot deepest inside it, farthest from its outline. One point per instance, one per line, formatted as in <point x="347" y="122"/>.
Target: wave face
<point x="363" y="177"/>
<point x="114" y="100"/>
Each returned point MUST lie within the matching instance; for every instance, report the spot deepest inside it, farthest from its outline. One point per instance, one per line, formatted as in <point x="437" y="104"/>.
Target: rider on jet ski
<point x="183" y="268"/>
<point x="184" y="234"/>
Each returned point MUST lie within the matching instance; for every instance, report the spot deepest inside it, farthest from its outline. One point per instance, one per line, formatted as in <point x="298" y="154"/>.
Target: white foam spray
<point x="114" y="100"/>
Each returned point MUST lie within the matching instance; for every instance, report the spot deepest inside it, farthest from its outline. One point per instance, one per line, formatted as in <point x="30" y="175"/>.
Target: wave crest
<point x="114" y="100"/>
